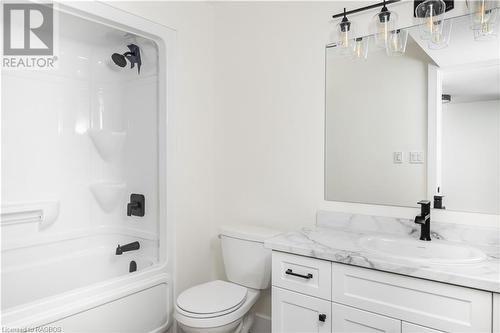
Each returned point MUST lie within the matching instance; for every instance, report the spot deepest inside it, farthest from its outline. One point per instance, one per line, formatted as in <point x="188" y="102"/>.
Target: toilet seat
<point x="226" y="317"/>
<point x="211" y="299"/>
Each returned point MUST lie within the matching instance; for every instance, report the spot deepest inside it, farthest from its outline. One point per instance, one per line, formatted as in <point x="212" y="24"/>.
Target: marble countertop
<point x="338" y="240"/>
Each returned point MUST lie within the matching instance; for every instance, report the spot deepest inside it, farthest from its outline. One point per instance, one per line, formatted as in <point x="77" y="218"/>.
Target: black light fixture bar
<point x="361" y="9"/>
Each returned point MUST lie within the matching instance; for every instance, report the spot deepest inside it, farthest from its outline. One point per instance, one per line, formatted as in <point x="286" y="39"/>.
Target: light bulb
<point x="436" y="33"/>
<point x="396" y="44"/>
<point x="344" y="39"/>
<point x="360" y="48"/>
<point x="383" y="31"/>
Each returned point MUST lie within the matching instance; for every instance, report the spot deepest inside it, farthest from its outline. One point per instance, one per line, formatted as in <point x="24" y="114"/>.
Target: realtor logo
<point x="28" y="36"/>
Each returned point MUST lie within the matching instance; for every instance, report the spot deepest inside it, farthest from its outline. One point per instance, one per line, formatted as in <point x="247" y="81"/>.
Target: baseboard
<point x="262" y="324"/>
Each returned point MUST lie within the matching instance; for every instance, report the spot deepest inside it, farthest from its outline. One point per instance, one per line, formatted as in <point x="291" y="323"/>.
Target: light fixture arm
<point x="361" y="9"/>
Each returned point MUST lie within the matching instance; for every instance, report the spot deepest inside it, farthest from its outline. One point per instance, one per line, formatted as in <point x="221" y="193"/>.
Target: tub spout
<point x="127" y="247"/>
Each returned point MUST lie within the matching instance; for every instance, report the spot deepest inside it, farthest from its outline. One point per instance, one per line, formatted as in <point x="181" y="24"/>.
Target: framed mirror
<point x="390" y="140"/>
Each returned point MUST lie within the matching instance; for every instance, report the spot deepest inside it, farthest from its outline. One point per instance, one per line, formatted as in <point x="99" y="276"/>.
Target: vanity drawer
<point x="303" y="275"/>
<point x="432" y="304"/>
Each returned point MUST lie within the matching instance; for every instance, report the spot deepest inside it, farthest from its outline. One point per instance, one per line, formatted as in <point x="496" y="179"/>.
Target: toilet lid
<point x="212" y="297"/>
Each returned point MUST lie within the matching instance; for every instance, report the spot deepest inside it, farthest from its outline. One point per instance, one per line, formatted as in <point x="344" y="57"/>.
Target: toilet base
<point x="239" y="326"/>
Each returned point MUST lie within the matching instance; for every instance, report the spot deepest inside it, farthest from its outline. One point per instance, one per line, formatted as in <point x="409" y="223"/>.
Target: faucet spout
<point x="424" y="219"/>
<point x="127" y="247"/>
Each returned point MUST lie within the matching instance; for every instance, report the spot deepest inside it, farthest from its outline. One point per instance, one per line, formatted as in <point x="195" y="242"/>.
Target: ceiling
<point x="472" y="83"/>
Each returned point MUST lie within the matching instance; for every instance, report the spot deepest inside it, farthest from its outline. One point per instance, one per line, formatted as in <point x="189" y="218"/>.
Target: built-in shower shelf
<point x="107" y="143"/>
<point x="108" y="194"/>
<point x="44" y="213"/>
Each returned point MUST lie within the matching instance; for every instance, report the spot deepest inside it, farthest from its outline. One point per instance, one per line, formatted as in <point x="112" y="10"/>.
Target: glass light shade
<point x="484" y="17"/>
<point x="345" y="31"/>
<point x="441" y="40"/>
<point x="396" y="42"/>
<point x="431" y="15"/>
<point x="382" y="24"/>
<point x="360" y="48"/>
<point x="482" y="13"/>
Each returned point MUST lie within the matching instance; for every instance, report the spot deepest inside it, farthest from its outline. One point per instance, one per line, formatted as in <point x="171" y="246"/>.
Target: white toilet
<point x="224" y="307"/>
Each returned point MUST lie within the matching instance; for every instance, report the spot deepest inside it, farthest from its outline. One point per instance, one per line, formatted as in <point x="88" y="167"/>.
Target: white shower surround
<point x="95" y="287"/>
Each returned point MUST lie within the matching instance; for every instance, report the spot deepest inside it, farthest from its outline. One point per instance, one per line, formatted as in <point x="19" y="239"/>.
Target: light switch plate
<point x="398" y="157"/>
<point x="416" y="157"/>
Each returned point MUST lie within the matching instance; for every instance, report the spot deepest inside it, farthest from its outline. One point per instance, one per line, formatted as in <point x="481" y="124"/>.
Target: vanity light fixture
<point x="382" y="24"/>
<point x="431" y="15"/>
<point x="483" y="15"/>
<point x="396" y="42"/>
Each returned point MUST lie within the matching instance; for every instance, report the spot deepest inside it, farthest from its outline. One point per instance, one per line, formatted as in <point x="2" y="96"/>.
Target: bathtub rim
<point x="48" y="310"/>
<point x="66" y="236"/>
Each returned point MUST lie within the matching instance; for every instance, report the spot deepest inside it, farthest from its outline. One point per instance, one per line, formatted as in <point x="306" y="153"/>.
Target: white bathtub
<point x="81" y="285"/>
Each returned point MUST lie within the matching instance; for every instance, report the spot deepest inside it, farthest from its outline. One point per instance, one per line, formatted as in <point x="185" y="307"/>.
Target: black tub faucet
<point x="424" y="219"/>
<point x="127" y="247"/>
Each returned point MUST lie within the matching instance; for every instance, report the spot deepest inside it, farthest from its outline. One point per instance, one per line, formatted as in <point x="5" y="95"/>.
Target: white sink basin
<point x="433" y="252"/>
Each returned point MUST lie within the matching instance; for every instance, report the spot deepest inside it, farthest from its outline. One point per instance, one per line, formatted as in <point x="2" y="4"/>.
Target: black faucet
<point x="424" y="219"/>
<point x="127" y="247"/>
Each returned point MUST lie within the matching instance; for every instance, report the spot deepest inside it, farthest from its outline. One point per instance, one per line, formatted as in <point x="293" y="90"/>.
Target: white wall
<point x="471" y="160"/>
<point x="48" y="153"/>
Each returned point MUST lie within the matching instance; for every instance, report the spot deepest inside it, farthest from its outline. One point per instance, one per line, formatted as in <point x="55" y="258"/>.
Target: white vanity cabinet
<point x="354" y="299"/>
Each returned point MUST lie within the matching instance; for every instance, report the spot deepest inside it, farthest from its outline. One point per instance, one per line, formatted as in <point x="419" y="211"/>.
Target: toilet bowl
<point x="216" y="307"/>
<point x="226" y="306"/>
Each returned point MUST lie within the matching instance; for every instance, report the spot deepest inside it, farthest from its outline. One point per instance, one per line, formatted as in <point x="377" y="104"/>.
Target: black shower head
<point x="119" y="59"/>
<point x="133" y="56"/>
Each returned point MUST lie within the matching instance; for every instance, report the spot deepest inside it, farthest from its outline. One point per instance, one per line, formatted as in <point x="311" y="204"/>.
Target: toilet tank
<point x="246" y="261"/>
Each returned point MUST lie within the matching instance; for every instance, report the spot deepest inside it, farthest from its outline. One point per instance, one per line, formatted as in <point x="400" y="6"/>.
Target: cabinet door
<point x="431" y="304"/>
<point x="297" y="313"/>
<point x="412" y="328"/>
<point x="350" y="320"/>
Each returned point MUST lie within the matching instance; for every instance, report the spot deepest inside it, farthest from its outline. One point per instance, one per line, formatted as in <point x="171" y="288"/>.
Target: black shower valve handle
<point x="136" y="205"/>
<point x="131" y="206"/>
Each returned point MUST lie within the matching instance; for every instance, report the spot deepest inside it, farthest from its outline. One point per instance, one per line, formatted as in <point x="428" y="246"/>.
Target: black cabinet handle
<point x="290" y="272"/>
<point x="322" y="317"/>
